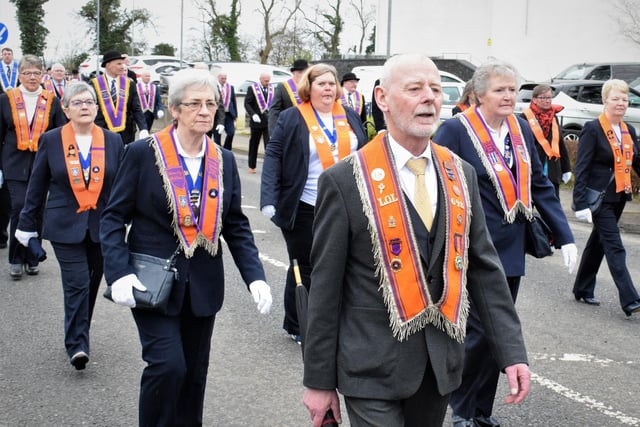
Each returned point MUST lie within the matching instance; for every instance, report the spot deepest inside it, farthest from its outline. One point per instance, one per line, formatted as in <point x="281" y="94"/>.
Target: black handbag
<point x="593" y="197"/>
<point x="538" y="238"/>
<point x="157" y="275"/>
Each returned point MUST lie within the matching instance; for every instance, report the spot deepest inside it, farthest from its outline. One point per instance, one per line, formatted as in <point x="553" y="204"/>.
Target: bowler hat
<point x="349" y="76"/>
<point x="299" y="65"/>
<point x="111" y="55"/>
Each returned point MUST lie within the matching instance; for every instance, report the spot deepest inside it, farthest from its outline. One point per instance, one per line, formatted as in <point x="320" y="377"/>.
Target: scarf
<point x="86" y="193"/>
<point x="398" y="266"/>
<point x="28" y="135"/>
<point x="318" y="133"/>
<point x="622" y="149"/>
<point x="513" y="192"/>
<point x="191" y="233"/>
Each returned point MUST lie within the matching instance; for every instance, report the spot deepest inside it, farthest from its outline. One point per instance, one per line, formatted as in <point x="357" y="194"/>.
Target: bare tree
<point x="272" y="31"/>
<point x="366" y="15"/>
<point x="627" y="18"/>
<point x="327" y="30"/>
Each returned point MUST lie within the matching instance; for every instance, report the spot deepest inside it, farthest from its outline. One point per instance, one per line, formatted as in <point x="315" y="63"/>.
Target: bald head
<point x="265" y="78"/>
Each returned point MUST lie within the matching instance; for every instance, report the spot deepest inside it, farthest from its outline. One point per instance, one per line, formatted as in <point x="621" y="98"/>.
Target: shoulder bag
<point x="157" y="275"/>
<point x="538" y="238"/>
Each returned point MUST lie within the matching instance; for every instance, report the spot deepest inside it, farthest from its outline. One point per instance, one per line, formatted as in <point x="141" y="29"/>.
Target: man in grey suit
<point x="397" y="258"/>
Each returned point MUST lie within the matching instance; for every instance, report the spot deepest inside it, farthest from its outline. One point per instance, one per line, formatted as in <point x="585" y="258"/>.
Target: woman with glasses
<point x="542" y="119"/>
<point x="26" y="112"/>
<point x="307" y="140"/>
<point x="71" y="181"/>
<point x="181" y="193"/>
<point x="606" y="153"/>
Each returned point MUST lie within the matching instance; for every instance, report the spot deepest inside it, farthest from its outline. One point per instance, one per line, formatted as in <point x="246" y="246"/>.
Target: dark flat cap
<point x="349" y="76"/>
<point x="111" y="55"/>
<point x="299" y="65"/>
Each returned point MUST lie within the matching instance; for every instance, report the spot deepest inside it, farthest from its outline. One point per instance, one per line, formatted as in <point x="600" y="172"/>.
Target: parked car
<point x="582" y="102"/>
<point x="138" y="63"/>
<point x="87" y="68"/>
<point x="242" y="74"/>
<point x="626" y="71"/>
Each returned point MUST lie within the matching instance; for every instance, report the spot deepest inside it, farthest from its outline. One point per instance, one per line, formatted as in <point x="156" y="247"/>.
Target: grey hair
<point x="401" y="59"/>
<point x="75" y="88"/>
<point x="187" y="78"/>
<point x="492" y="68"/>
<point x="28" y="61"/>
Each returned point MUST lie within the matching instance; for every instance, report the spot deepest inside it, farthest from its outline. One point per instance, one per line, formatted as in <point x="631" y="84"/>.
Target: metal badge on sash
<point x="194" y="201"/>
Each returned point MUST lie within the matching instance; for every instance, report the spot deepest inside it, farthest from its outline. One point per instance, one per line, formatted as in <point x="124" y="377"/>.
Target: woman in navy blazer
<point x="307" y="139"/>
<point x="179" y="190"/>
<point x="604" y="163"/>
<point x="71" y="179"/>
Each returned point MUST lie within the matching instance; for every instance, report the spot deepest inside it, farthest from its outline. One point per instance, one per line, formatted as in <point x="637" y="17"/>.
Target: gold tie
<point x="421" y="199"/>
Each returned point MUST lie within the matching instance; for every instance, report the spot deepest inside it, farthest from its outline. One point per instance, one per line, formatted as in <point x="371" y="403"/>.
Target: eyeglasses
<point x="545" y="98"/>
<point x="77" y="103"/>
<point x="31" y="73"/>
<point x="211" y="106"/>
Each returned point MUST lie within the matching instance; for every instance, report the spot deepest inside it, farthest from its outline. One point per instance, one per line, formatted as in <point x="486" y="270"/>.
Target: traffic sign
<point x="4" y="33"/>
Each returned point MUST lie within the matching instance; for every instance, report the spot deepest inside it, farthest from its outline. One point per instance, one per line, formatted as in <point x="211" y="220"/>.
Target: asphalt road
<point x="585" y="360"/>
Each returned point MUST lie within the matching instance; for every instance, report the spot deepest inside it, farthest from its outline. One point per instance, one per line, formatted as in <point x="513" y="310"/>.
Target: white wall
<point x="539" y="37"/>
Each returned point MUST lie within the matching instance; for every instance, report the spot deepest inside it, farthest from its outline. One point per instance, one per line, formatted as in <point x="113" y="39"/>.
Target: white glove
<point x="220" y="129"/>
<point x="122" y="290"/>
<point x="256" y="118"/>
<point x="1" y="178"/>
<point x="585" y="215"/>
<point x="269" y="211"/>
<point x="261" y="295"/>
<point x="566" y="177"/>
<point x="144" y="134"/>
<point x="160" y="114"/>
<point x="24" y="236"/>
<point x="570" y="255"/>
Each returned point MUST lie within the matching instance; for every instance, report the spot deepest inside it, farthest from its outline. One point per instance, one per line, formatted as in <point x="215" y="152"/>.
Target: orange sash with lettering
<point x="86" y="194"/>
<point x="27" y="136"/>
<point x="552" y="149"/>
<point x="514" y="193"/>
<point x="324" y="147"/>
<point x="398" y="264"/>
<point x="204" y="232"/>
<point x="621" y="150"/>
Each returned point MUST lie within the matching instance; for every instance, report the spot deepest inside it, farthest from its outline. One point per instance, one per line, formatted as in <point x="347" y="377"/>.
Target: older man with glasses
<point x="26" y="112"/>
<point x="541" y="116"/>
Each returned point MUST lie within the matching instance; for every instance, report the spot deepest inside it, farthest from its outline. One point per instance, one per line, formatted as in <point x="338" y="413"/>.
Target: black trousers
<point x="176" y="350"/>
<point x="19" y="254"/>
<point x="426" y="408"/>
<point x="254" y="142"/>
<point x="605" y="241"/>
<point x="5" y="213"/>
<point x="81" y="268"/>
<point x="480" y="374"/>
<point x="298" y="241"/>
<point x="229" y="130"/>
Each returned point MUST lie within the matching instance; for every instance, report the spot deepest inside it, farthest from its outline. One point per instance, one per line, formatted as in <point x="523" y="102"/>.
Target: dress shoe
<point x="634" y="307"/>
<point x="80" y="360"/>
<point x="15" y="270"/>
<point x="32" y="270"/>
<point x="458" y="421"/>
<point x="483" y="421"/>
<point x="463" y="423"/>
<point x="588" y="300"/>
<point x="3" y="245"/>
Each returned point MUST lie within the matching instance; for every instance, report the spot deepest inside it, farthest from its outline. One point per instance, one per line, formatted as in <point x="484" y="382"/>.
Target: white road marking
<point x="585" y="400"/>
<point x="576" y="357"/>
<point x="274" y="262"/>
